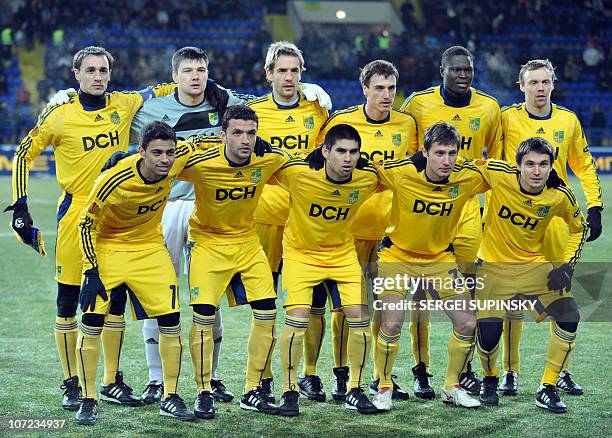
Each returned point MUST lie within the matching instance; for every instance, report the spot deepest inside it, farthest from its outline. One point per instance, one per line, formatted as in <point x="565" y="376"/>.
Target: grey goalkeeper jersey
<point x="186" y="121"/>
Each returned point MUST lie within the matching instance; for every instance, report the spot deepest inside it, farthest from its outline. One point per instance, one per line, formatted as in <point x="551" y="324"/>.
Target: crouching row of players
<point x="121" y="242"/>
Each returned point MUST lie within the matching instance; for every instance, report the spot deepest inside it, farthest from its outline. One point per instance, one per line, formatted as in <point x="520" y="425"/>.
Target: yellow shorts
<point x="271" y="238"/>
<point x="148" y="274"/>
<point x="343" y="284"/>
<point x="469" y="235"/>
<point x="401" y="273"/>
<point x="518" y="282"/>
<point x="68" y="258"/>
<point x="555" y="240"/>
<point x="367" y="252"/>
<point x="241" y="268"/>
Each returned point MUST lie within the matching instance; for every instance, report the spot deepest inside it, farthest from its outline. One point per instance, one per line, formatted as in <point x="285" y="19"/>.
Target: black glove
<point x="419" y="161"/>
<point x="315" y="159"/>
<point x="91" y="288"/>
<point x="214" y="94"/>
<point x="262" y="147"/>
<point x="560" y="279"/>
<point x="22" y="221"/>
<point x="361" y="163"/>
<point x="594" y="221"/>
<point x="553" y="180"/>
<point x="114" y="159"/>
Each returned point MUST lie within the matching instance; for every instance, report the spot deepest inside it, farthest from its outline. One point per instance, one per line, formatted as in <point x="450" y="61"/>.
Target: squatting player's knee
<point x="466" y="326"/>
<point x="392" y="327"/>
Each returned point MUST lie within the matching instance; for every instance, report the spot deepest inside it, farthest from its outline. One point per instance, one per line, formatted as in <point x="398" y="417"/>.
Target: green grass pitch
<point x="30" y="373"/>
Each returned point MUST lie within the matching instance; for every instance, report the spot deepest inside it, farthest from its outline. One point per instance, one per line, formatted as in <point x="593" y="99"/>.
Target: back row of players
<point x="91" y="126"/>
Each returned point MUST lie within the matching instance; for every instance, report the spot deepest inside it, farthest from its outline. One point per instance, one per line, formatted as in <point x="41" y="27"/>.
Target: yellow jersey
<point x="425" y="213"/>
<point x="123" y="211"/>
<point x="478" y="119"/>
<point x="516" y="221"/>
<point x="293" y="128"/>
<point x="562" y="129"/>
<point x="381" y="140"/>
<point x="321" y="211"/>
<point x="226" y="194"/>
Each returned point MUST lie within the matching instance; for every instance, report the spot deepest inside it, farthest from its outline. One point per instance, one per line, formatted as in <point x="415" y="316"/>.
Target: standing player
<point x="326" y="192"/>
<point x="429" y="198"/>
<point x="121" y="242"/>
<point x="476" y="116"/>
<point x="387" y="134"/>
<point x="225" y="251"/>
<point x="84" y="132"/>
<point x="539" y="117"/>
<point x="289" y="121"/>
<point x="513" y="261"/>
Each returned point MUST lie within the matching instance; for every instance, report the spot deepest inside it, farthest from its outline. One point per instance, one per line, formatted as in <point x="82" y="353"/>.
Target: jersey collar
<point x="333" y="181"/>
<point x="525" y="192"/>
<point x="284" y="106"/>
<point x="187" y="106"/>
<point x="91" y="102"/>
<point x="232" y="163"/>
<point x="456" y="103"/>
<point x="144" y="180"/>
<point x="375" y="122"/>
<point x="533" y="116"/>
<point x="444" y="181"/>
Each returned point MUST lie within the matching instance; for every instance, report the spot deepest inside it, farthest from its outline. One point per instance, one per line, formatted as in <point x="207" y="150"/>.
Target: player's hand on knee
<point x="594" y="221"/>
<point x="22" y="221"/>
<point x="114" y="159"/>
<point x="560" y="279"/>
<point x="419" y="161"/>
<point x="61" y="97"/>
<point x="314" y="92"/>
<point x="91" y="288"/>
<point x="553" y="180"/>
<point x="262" y="147"/>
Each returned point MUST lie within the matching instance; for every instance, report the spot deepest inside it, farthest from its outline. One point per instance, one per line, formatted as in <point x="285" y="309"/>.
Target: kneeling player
<point x="326" y="191"/>
<point x="514" y="266"/>
<point x="122" y="242"/>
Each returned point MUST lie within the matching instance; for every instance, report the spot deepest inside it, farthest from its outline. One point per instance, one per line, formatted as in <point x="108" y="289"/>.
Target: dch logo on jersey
<point x="101" y="140"/>
<point x="235" y="194"/>
<point x="432" y="208"/>
<point x="256" y="175"/>
<point x="213" y="118"/>
<point x="115" y="118"/>
<point x="466" y="142"/>
<point x="142" y="209"/>
<point x="518" y="218"/>
<point x="290" y="141"/>
<point x="328" y="213"/>
<point x="559" y="136"/>
<point x="474" y="123"/>
<point x="353" y="197"/>
<point x="308" y="122"/>
<point x="378" y="155"/>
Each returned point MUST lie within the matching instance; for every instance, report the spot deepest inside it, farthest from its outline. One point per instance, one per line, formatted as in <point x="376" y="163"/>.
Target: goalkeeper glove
<point x="594" y="221"/>
<point x="419" y="161"/>
<point x="62" y="97"/>
<point x="553" y="180"/>
<point x="560" y="279"/>
<point x="315" y="159"/>
<point x="22" y="226"/>
<point x="91" y="288"/>
<point x="114" y="159"/>
<point x="314" y="92"/>
<point x="214" y="94"/>
<point x="262" y="147"/>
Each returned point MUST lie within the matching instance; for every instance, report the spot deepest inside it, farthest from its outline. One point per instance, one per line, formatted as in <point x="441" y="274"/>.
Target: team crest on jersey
<point x="195" y="292"/>
<point x="256" y="175"/>
<point x="396" y="138"/>
<point x="474" y="124"/>
<point x="559" y="136"/>
<point x="353" y="197"/>
<point x="453" y="192"/>
<point x="115" y="118"/>
<point x="59" y="270"/>
<point x="213" y="118"/>
<point x="308" y="122"/>
<point x="542" y="210"/>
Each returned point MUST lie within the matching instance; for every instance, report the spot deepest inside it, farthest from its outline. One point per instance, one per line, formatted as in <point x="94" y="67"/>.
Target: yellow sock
<point x="339" y="338"/>
<point x="291" y="349"/>
<point x="66" y="332"/>
<point x="313" y="339"/>
<point x="458" y="351"/>
<point x="87" y="355"/>
<point x="201" y="348"/>
<point x="171" y="354"/>
<point x="261" y="345"/>
<point x="488" y="359"/>
<point x="419" y="335"/>
<point x="112" y="341"/>
<point x="358" y="349"/>
<point x="375" y="326"/>
<point x="560" y="346"/>
<point x="513" y="329"/>
<point x="385" y="352"/>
